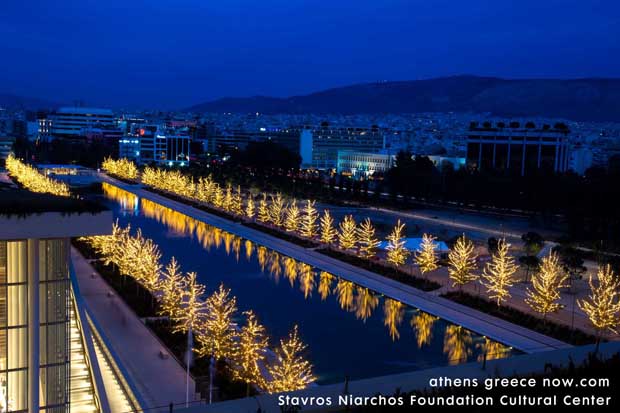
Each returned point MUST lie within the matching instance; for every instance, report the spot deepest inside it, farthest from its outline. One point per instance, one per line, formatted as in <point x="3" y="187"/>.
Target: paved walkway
<point x="570" y="315"/>
<point x="497" y="329"/>
<point x="159" y="381"/>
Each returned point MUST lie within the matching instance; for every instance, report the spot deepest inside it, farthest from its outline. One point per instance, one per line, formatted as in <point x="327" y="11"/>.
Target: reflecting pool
<point x="350" y="330"/>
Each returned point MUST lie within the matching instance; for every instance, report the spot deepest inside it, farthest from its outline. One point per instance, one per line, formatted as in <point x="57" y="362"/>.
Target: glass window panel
<point x="54" y="386"/>
<point x="17" y="340"/>
<point x="17" y="313"/>
<point x="17" y="261"/>
<point x="17" y="390"/>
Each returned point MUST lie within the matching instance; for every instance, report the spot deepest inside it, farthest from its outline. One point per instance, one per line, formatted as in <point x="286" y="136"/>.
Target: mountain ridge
<point x="581" y="99"/>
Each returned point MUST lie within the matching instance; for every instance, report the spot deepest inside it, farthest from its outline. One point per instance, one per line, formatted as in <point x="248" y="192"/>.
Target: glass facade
<point x="17" y="273"/>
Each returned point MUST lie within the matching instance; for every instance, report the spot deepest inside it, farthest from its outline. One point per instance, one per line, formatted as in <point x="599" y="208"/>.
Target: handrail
<point x="96" y="381"/>
<point x="127" y="385"/>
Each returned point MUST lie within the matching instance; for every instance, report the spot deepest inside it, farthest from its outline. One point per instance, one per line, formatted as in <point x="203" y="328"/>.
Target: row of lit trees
<point x="211" y="319"/>
<point x="303" y="220"/>
<point x="497" y="276"/>
<point x="34" y="181"/>
<point x="123" y="168"/>
<point x="602" y="306"/>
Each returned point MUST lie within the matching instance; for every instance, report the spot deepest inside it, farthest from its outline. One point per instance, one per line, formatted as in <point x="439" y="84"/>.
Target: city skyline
<point x="123" y="56"/>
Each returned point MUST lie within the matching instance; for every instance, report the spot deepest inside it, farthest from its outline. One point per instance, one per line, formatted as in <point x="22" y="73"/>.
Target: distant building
<point x="363" y="164"/>
<point x="227" y="140"/>
<point x="502" y="146"/>
<point x="69" y="122"/>
<point x="327" y="141"/>
<point x="155" y="144"/>
<point x="129" y="147"/>
<point x="6" y="147"/>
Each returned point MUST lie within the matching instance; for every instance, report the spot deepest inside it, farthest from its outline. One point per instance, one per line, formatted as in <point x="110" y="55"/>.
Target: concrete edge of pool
<point x="497" y="329"/>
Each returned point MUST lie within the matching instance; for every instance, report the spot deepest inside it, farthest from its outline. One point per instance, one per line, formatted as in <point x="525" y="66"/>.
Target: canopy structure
<point x="413" y="244"/>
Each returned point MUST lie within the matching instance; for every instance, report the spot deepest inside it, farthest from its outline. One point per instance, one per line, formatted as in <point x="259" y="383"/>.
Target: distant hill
<point x="577" y="99"/>
<point x="9" y="101"/>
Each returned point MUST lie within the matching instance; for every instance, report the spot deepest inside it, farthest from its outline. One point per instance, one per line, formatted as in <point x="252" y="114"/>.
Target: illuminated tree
<point x="368" y="241"/>
<point x="393" y="311"/>
<point x="603" y="304"/>
<point x="250" y="353"/>
<point x="31" y="179"/>
<point x="462" y="260"/>
<point x="328" y="232"/>
<point x="457" y="344"/>
<point x="422" y="323"/>
<point x="426" y="255"/>
<point x="325" y="284"/>
<point x="396" y="252"/>
<point x="544" y="295"/>
<point x="308" y="222"/>
<point x="193" y="307"/>
<point x="365" y="302"/>
<point x="347" y="238"/>
<point x="227" y="203"/>
<point x="218" y="197"/>
<point x="171" y="289"/>
<point x="123" y="168"/>
<point x="275" y="209"/>
<point x="218" y="330"/>
<point x="237" y="202"/>
<point x="290" y="370"/>
<point x="498" y="274"/>
<point x="263" y="209"/>
<point x="249" y="208"/>
<point x="291" y="222"/>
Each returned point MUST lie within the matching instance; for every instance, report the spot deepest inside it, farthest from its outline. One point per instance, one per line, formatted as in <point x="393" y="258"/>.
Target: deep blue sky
<point x="174" y="53"/>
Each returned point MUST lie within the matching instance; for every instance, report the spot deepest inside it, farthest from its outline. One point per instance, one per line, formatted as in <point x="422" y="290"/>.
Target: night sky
<point x="174" y="53"/>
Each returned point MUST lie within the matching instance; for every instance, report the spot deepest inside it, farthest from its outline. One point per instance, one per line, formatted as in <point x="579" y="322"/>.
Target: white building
<point x="363" y="164"/>
<point x="69" y="122"/>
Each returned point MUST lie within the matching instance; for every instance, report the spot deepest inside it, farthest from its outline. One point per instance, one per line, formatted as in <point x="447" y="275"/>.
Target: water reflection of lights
<point x="127" y="200"/>
<point x="458" y="342"/>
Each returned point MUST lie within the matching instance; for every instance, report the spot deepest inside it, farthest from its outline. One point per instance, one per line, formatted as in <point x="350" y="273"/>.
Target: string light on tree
<point x="252" y="346"/>
<point x="218" y="330"/>
<point x="328" y="232"/>
<point x="396" y="252"/>
<point x="544" y="296"/>
<point x="308" y="223"/>
<point x="426" y="255"/>
<point x="499" y="272"/>
<point x="347" y="238"/>
<point x="603" y="304"/>
<point x="368" y="241"/>
<point x="462" y="260"/>
<point x="291" y="222"/>
<point x="291" y="371"/>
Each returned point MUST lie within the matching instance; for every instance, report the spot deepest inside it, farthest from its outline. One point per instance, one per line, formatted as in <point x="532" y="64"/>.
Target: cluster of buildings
<point x="361" y="146"/>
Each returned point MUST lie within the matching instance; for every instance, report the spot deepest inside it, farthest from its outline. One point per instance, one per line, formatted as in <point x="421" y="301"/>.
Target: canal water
<point x="350" y="330"/>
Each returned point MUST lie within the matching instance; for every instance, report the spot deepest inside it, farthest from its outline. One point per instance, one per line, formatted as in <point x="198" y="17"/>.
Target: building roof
<point x="21" y="202"/>
<point x="81" y="110"/>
